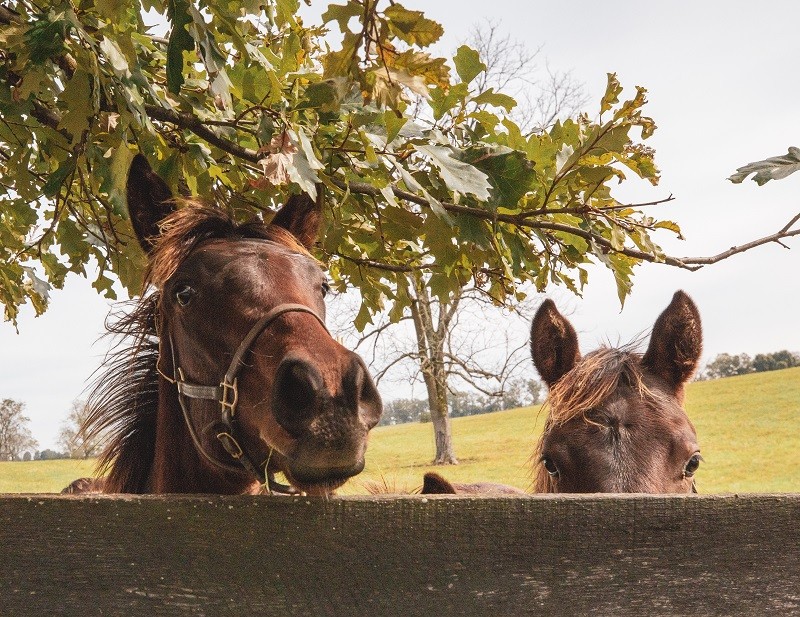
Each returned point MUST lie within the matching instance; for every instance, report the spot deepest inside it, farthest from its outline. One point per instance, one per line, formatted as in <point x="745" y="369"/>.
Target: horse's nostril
<point x="364" y="394"/>
<point x="299" y="385"/>
<point x="297" y="388"/>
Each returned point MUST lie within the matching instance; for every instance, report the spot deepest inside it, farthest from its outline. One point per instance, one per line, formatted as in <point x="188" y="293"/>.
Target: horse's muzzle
<point x="304" y="476"/>
<point x="303" y="399"/>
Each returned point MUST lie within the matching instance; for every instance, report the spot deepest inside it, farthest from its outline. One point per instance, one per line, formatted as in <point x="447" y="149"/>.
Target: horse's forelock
<point x="194" y="222"/>
<point x="590" y="383"/>
<point x="586" y="387"/>
<point x="180" y="232"/>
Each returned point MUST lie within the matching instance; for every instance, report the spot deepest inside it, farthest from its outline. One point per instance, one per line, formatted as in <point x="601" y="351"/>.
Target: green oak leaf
<point x="179" y="41"/>
<point x="458" y="175"/>
<point x="412" y="27"/>
<point x="468" y="64"/>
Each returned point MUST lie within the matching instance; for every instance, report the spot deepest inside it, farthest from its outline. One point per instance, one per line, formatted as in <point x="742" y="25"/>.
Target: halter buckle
<point x="231" y="446"/>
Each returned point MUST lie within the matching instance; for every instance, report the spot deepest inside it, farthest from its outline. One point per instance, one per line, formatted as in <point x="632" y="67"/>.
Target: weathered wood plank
<point x="219" y="556"/>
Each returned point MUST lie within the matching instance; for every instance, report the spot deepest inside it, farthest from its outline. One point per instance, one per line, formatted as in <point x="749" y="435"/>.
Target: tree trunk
<point x="440" y="417"/>
<point x="430" y="347"/>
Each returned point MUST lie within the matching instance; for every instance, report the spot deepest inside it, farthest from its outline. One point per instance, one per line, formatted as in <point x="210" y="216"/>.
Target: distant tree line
<point x="17" y="442"/>
<point x="49" y="455"/>
<point x="16" y="438"/>
<point x="728" y="365"/>
<point x="43" y="455"/>
<point x="517" y="393"/>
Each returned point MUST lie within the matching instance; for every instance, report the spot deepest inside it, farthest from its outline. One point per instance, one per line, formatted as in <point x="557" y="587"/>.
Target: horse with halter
<point x="229" y="374"/>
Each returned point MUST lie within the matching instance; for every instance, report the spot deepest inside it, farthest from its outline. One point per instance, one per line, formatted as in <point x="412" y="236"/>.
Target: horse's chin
<point x="322" y="489"/>
<point x="322" y="482"/>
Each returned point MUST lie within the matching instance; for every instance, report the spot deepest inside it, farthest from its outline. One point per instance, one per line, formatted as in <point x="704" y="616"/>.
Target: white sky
<point x="723" y="88"/>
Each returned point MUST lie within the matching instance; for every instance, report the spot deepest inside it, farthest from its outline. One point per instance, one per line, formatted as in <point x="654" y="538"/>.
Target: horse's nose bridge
<point x="629" y="473"/>
<point x="343" y="381"/>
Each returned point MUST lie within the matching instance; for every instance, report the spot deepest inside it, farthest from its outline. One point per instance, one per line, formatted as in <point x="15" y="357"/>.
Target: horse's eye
<point x="325" y="288"/>
<point x="550" y="466"/>
<point x="691" y="465"/>
<point x="183" y="294"/>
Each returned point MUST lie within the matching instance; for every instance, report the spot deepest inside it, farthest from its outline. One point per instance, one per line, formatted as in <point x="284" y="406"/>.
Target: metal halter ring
<point x="227" y="404"/>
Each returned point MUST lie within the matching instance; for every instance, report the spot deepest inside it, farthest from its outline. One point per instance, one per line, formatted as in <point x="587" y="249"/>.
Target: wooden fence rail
<point x="440" y="555"/>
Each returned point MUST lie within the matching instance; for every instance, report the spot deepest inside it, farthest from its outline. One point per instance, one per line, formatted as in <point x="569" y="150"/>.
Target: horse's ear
<point x="301" y="216"/>
<point x="434" y="484"/>
<point x="149" y="201"/>
<point x="554" y="343"/>
<point x="676" y="342"/>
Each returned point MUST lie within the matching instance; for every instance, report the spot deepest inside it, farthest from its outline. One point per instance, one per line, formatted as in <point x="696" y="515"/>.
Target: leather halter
<point x="227" y="395"/>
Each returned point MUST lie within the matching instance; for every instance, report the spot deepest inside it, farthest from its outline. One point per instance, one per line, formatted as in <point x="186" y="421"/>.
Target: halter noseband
<point x="227" y="395"/>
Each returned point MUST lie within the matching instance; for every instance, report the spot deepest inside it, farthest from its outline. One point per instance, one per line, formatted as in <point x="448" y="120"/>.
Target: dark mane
<point x="122" y="405"/>
<point x="586" y="387"/>
<point x="124" y="399"/>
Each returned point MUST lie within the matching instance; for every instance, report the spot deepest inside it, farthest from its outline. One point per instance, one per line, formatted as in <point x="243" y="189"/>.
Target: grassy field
<point x="748" y="426"/>
<point x="41" y="476"/>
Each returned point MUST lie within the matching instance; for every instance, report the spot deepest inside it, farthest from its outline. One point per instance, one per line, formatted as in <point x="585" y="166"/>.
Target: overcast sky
<point x="724" y="87"/>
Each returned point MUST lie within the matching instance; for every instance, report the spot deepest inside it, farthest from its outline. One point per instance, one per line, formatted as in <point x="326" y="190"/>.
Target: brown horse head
<point x="84" y="486"/>
<point x="238" y="317"/>
<point x="616" y="420"/>
<point x="434" y="484"/>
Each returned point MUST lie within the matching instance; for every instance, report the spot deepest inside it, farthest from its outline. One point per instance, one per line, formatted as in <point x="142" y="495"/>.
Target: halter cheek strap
<point x="227" y="395"/>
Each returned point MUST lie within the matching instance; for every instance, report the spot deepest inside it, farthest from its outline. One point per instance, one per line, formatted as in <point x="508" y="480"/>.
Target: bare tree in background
<point x="467" y="342"/>
<point x="461" y="341"/>
<point x="544" y="95"/>
<point x="15" y="436"/>
<point x="70" y="438"/>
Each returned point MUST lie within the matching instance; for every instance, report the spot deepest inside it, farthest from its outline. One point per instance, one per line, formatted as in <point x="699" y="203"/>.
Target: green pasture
<point x="42" y="476"/>
<point x="749" y="430"/>
<point x="748" y="427"/>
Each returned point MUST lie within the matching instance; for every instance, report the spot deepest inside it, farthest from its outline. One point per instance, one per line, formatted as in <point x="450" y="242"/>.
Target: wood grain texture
<point x="440" y="555"/>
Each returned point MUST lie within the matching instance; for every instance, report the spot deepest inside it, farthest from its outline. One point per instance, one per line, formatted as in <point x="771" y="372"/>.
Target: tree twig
<point x="523" y="220"/>
<point x="785" y="232"/>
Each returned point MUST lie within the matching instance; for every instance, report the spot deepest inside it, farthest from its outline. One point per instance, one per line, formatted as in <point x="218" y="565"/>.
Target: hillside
<point x="749" y="430"/>
<point x="748" y="426"/>
<point x="41" y="476"/>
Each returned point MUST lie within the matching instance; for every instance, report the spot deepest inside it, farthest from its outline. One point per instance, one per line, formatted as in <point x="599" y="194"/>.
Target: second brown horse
<point x="616" y="422"/>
